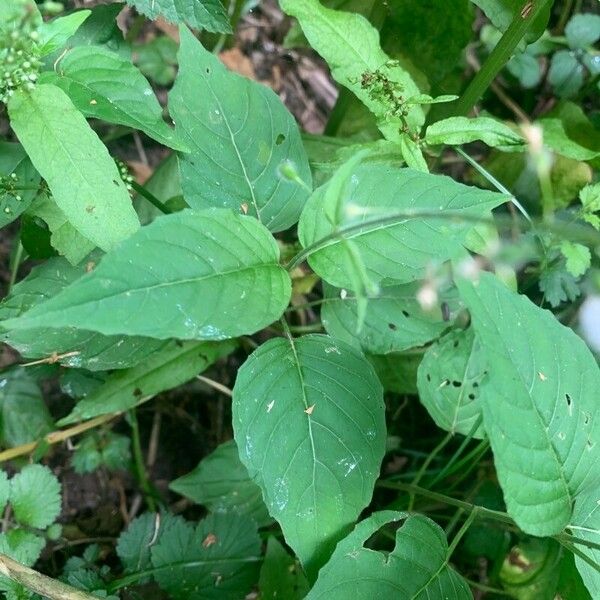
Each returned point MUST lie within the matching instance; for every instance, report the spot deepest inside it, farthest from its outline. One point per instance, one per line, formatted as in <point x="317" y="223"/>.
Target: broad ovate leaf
<point x="199" y="14"/>
<point x="55" y="34"/>
<point x="209" y="275"/>
<point x="104" y="85"/>
<point x="350" y="45"/>
<point x="401" y="222"/>
<point x="417" y="567"/>
<point x="394" y="320"/>
<point x="72" y="347"/>
<point x="539" y="405"/>
<point x="222" y="484"/>
<point x="308" y="417"/>
<point x="449" y="380"/>
<point x="462" y="130"/>
<point x="170" y="366"/>
<point x="83" y="178"/>
<point x="247" y="153"/>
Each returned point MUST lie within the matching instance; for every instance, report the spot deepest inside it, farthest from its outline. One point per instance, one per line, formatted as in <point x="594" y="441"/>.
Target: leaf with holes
<point x="449" y="380"/>
<point x="539" y="405"/>
<point x="246" y="148"/>
<point x="308" y="418"/>
<point x="374" y="209"/>
<point x="416" y="568"/>
<point x="228" y="261"/>
<point x="394" y="319"/>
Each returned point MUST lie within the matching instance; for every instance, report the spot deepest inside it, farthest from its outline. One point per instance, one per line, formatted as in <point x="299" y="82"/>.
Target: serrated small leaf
<point x="449" y="382"/>
<point x="416" y="568"/>
<point x="173" y="365"/>
<point x="228" y="261"/>
<point x="578" y="257"/>
<point x="583" y="30"/>
<point x="374" y="192"/>
<point x="566" y="73"/>
<point x="394" y="319"/>
<point x="35" y="496"/>
<point x="224" y="551"/>
<point x="462" y="130"/>
<point x="222" y="484"/>
<point x="22" y="546"/>
<point x="81" y="175"/>
<point x="308" y="418"/>
<point x="55" y="34"/>
<point x="538" y="404"/>
<point x="199" y="14"/>
<point x="241" y="136"/>
<point x="104" y="85"/>
<point x="74" y="347"/>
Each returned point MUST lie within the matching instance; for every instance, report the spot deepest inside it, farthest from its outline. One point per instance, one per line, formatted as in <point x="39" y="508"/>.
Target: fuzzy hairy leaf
<point x="370" y="194"/>
<point x="308" y="418"/>
<point x="394" y="319"/>
<point x="81" y="175"/>
<point x="173" y="365"/>
<point x="199" y="14"/>
<point x="350" y="45"/>
<point x="539" y="405"/>
<point x="416" y="568"/>
<point x="77" y="347"/>
<point x="216" y="560"/>
<point x="35" y="496"/>
<point x="222" y="484"/>
<point x="104" y="85"/>
<point x="241" y="136"/>
<point x="209" y="275"/>
<point x="449" y="378"/>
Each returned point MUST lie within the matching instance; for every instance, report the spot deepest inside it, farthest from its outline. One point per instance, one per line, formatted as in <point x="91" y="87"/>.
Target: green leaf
<point x="97" y="449"/>
<point x="103" y="85"/>
<point x="350" y="45"/>
<point x="558" y="285"/>
<point x="223" y="552"/>
<point x="583" y="30"/>
<point x="434" y="33"/>
<point x="157" y="59"/>
<point x="566" y="73"/>
<point x="578" y="256"/>
<point x="199" y="14"/>
<point x="449" y="380"/>
<point x="55" y="34"/>
<point x="76" y="347"/>
<point x="539" y="405"/>
<point x="280" y="575"/>
<point x="35" y="496"/>
<point x="375" y="212"/>
<point x="24" y="415"/>
<point x="397" y="371"/>
<point x="16" y="167"/>
<point x="586" y="526"/>
<point x="570" y="583"/>
<point x="502" y="12"/>
<point x="166" y="368"/>
<point x="65" y="239"/>
<point x="568" y="131"/>
<point x="412" y="154"/>
<point x="82" y="177"/>
<point x="222" y="484"/>
<point x="416" y="568"/>
<point x="462" y="130"/>
<point x="394" y="319"/>
<point x="228" y="260"/>
<point x="22" y="546"/>
<point x="308" y="417"/>
<point x="241" y="136"/>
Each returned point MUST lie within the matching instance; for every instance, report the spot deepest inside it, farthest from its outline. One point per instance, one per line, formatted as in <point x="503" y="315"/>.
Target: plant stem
<point x="142" y="191"/>
<point x="56" y="436"/>
<point x="139" y="461"/>
<point x="462" y="531"/>
<point x="499" y="56"/>
<point x="15" y="266"/>
<point x="38" y="583"/>
<point x="215" y="385"/>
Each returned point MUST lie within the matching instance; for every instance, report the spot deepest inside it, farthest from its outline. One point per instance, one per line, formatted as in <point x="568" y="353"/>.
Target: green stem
<point x="462" y="531"/>
<point x="139" y="461"/>
<point x="142" y="191"/>
<point x="15" y="266"/>
<point x="580" y="554"/>
<point x="500" y="55"/>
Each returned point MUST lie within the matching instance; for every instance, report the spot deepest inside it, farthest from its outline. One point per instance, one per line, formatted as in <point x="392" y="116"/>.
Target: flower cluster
<point x="125" y="175"/>
<point x="19" y="56"/>
<point x="9" y="186"/>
